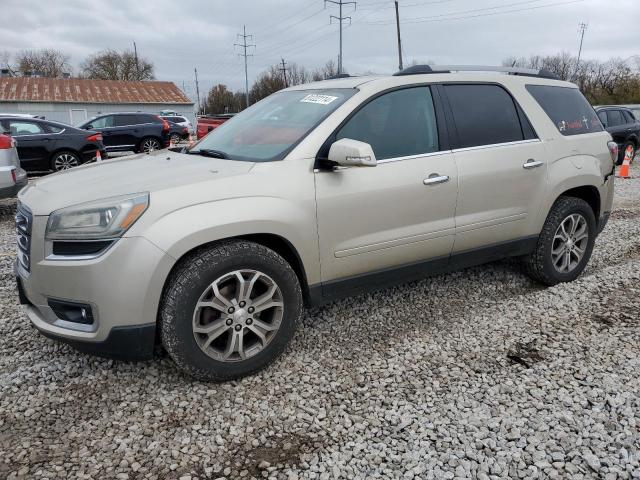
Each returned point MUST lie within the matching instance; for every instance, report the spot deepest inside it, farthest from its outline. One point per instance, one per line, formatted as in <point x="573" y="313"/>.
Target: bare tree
<point x="222" y="100"/>
<point x="613" y="81"/>
<point x="328" y="70"/>
<point x="113" y="65"/>
<point x="47" y="62"/>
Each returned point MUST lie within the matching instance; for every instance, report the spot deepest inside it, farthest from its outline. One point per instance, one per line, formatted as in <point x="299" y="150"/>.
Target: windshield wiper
<point x="207" y="152"/>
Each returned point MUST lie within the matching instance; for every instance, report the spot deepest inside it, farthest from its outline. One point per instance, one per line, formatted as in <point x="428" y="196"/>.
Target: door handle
<point x="531" y="163"/>
<point x="435" y="179"/>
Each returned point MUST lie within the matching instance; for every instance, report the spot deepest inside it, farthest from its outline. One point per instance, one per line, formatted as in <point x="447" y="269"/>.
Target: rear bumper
<point x="12" y="190"/>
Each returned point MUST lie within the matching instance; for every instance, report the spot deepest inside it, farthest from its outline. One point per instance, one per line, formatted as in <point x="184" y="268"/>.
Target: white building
<point x="74" y="100"/>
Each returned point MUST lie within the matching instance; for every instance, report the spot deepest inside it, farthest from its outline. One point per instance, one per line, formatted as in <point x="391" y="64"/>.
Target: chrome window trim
<point x="494" y="145"/>
<point x="412" y="157"/>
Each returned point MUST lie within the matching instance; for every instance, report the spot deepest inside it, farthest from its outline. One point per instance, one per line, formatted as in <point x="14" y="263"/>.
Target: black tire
<point x="193" y="275"/>
<point x="539" y="264"/>
<point x="64" y="160"/>
<point x="176" y="138"/>
<point x="624" y="149"/>
<point x="146" y="142"/>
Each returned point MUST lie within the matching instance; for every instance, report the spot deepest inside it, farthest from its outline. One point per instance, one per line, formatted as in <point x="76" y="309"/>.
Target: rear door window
<point x="602" y="115"/>
<point x="397" y="124"/>
<point x="484" y="115"/>
<point x="24" y="128"/>
<point x="615" y="118"/>
<point x="103" y="122"/>
<point x="127" y="120"/>
<point x="567" y="108"/>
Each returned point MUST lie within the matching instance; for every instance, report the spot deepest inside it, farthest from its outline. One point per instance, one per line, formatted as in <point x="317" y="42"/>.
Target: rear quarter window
<point x="570" y="112"/>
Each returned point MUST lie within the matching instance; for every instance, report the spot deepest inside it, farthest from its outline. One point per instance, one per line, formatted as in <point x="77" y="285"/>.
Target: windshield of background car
<point x="272" y="127"/>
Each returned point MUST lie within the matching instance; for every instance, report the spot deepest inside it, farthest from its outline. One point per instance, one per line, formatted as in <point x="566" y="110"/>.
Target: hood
<point x="153" y="172"/>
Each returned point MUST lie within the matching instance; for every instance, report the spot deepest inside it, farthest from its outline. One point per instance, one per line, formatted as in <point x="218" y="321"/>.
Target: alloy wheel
<point x="238" y="315"/>
<point x="65" y="161"/>
<point x="150" y="145"/>
<point x="570" y="243"/>
<point x="175" y="138"/>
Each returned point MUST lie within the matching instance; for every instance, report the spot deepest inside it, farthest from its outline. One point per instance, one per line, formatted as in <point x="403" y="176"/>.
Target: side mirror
<point x="352" y="153"/>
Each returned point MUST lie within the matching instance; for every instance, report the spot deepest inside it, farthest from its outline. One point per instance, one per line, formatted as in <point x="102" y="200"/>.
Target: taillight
<point x="6" y="142"/>
<point x="613" y="151"/>
<point x="97" y="137"/>
<point x="185" y="130"/>
<point x="165" y="124"/>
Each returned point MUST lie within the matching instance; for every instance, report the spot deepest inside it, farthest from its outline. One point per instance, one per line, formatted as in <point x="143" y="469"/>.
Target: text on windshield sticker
<point x="319" y="99"/>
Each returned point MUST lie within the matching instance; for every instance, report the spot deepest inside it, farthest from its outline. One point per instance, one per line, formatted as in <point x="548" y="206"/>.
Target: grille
<point x="23" y="230"/>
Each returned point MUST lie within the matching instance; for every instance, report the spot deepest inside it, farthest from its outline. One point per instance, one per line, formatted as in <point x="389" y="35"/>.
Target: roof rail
<point x="339" y="75"/>
<point x="529" y="72"/>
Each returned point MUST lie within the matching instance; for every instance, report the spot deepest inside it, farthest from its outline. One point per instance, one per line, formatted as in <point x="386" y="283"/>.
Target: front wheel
<point x="229" y="310"/>
<point x="565" y="243"/>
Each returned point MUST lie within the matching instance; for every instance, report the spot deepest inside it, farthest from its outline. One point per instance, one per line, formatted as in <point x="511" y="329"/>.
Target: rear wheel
<point x="64" y="161"/>
<point x="565" y="244"/>
<point x="229" y="310"/>
<point x="149" y="144"/>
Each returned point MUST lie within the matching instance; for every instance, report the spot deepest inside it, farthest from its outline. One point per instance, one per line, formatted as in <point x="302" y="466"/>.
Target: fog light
<point x="72" y="312"/>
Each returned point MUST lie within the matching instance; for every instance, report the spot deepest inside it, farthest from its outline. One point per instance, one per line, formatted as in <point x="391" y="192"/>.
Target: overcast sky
<point x="180" y="35"/>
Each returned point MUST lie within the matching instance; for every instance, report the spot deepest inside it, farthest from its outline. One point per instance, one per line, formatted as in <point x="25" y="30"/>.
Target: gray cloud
<point x="178" y="36"/>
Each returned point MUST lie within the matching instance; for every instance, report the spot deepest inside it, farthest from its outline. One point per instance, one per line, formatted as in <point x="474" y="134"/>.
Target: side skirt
<point x="345" y="287"/>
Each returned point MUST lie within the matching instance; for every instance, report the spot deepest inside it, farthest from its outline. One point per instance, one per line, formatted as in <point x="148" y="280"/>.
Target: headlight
<point x="102" y="219"/>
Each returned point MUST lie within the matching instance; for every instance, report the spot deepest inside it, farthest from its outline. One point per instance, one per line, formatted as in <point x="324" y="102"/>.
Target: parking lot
<point x="476" y="374"/>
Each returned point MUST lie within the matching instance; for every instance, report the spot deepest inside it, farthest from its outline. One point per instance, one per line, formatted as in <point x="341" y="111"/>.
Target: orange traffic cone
<point x="98" y="156"/>
<point x="624" y="169"/>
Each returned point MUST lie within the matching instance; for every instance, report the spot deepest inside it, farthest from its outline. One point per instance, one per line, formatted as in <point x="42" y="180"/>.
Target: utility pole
<point x="284" y="73"/>
<point x="245" y="46"/>
<point x="340" y="19"/>
<point x="197" y="88"/>
<point x="135" y="54"/>
<point x="583" y="29"/>
<point x="399" y="38"/>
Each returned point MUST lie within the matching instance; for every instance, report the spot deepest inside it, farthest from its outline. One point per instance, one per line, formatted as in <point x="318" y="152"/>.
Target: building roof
<point x="75" y="90"/>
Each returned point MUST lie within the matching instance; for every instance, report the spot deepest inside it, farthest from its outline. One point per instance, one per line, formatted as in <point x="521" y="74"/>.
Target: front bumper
<point x="122" y="286"/>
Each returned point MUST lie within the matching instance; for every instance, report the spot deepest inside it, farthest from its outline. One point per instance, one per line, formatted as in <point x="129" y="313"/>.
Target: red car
<point x="206" y="123"/>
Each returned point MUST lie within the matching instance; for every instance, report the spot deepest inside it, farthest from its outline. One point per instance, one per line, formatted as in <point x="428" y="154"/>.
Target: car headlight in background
<point x="102" y="219"/>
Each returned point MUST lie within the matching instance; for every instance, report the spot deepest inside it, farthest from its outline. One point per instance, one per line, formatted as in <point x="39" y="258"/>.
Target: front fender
<point x="184" y="229"/>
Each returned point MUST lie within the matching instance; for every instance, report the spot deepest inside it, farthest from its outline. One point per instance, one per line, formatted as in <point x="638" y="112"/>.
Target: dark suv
<point x="137" y="132"/>
<point x="623" y="126"/>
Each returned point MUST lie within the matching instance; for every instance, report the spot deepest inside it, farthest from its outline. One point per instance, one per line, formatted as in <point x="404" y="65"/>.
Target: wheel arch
<point x="277" y="243"/>
<point x="589" y="194"/>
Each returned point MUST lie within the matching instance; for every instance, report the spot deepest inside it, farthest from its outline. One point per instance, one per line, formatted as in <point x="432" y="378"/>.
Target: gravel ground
<point x="477" y="374"/>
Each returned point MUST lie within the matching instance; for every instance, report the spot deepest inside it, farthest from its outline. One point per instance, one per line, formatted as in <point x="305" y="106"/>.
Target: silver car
<point x="12" y="177"/>
<point x="317" y="192"/>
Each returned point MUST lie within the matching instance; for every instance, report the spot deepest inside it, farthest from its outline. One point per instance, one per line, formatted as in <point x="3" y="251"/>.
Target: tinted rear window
<point x="484" y="115"/>
<point x="567" y="108"/>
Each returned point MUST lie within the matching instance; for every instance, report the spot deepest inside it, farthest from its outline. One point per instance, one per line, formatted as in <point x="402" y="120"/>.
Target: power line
<point x="465" y="14"/>
<point x="340" y="19"/>
<point x="245" y="46"/>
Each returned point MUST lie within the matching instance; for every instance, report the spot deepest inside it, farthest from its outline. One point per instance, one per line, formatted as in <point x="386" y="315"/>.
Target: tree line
<point x="105" y="65"/>
<point x="613" y="81"/>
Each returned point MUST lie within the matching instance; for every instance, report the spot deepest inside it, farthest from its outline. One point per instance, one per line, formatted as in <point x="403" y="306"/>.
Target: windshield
<point x="271" y="128"/>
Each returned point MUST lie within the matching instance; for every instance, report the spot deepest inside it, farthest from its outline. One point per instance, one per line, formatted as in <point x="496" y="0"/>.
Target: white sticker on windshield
<point x="319" y="99"/>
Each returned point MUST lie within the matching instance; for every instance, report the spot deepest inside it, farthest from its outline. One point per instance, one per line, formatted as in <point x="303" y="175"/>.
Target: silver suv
<point x="317" y="192"/>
